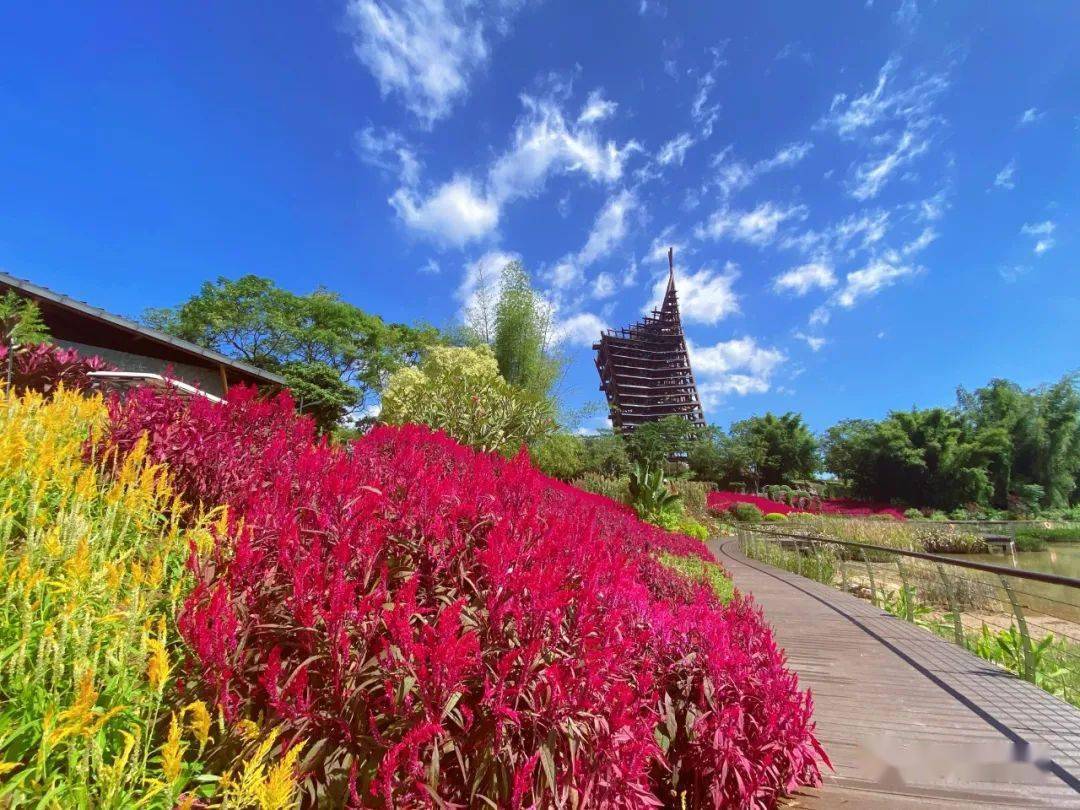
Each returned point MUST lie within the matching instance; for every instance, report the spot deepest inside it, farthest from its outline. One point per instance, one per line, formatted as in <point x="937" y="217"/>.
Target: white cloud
<point x="820" y="316"/>
<point x="607" y="232"/>
<point x="734" y="175"/>
<point x="920" y="242"/>
<point x="704" y="297"/>
<point x="1043" y="234"/>
<point x="388" y="150"/>
<point x="603" y="286"/>
<point x="907" y="14"/>
<point x="596" y="108"/>
<point x="424" y="51"/>
<point x="877" y="275"/>
<point x="544" y="143"/>
<point x="758" y="227"/>
<point x="582" y="329"/>
<point x="609" y="229"/>
<point x="702" y="112"/>
<point x="933" y="208"/>
<point x="454" y="214"/>
<point x="814" y="342"/>
<point x="801" y="280"/>
<point x="1030" y="116"/>
<point x="431" y="268"/>
<point x="1039" y="228"/>
<point x="897" y="122"/>
<point x="873" y="174"/>
<point x="739" y="366"/>
<point x="1013" y="272"/>
<point x="853" y="233"/>
<point x="794" y="50"/>
<point x="1006" y="178"/>
<point x="884" y="103"/>
<point x="674" y="151"/>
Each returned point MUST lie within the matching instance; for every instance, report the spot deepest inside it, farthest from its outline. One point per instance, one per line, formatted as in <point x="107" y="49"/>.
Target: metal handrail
<point x="1000" y="570"/>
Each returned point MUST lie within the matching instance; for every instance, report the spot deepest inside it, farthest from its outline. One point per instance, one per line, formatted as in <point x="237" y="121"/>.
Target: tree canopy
<point x="333" y="354"/>
<point x="1000" y="446"/>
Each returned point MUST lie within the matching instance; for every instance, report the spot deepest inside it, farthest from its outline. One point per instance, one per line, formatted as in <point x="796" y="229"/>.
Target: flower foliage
<point x="444" y="626"/>
<point x="721" y="500"/>
<point x="44" y="367"/>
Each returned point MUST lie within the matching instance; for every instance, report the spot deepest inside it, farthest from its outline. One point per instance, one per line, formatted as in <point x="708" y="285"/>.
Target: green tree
<point x="334" y="355"/>
<point x="604" y="453"/>
<point x="653" y="443"/>
<point x="775" y="449"/>
<point x="515" y="321"/>
<point x="20" y="325"/>
<point x="459" y="390"/>
<point x="20" y="321"/>
<point x="559" y="455"/>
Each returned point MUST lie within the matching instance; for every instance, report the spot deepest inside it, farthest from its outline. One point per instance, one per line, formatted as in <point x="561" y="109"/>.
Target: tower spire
<point x="645" y="367"/>
<point x="669" y="309"/>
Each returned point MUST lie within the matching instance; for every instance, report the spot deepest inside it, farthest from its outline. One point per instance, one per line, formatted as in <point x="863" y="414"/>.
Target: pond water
<point x="1060" y="557"/>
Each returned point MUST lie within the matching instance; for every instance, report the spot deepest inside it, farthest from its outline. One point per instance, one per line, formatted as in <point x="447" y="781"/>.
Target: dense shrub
<point x="45" y="367"/>
<point x="436" y="621"/>
<point x="913" y="514"/>
<point x="745" y="512"/>
<point x="775" y="517"/>
<point x="616" y="488"/>
<point x="558" y="455"/>
<point x="460" y="391"/>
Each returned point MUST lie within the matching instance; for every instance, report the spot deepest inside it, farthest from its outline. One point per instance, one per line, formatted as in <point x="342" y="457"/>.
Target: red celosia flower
<point x="436" y="621"/>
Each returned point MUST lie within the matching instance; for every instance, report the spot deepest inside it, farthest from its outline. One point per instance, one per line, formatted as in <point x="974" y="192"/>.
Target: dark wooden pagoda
<point x="645" y="368"/>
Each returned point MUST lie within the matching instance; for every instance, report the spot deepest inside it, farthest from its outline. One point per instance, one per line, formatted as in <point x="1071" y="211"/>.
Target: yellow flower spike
<point x="158" y="667"/>
<point x="156" y="573"/>
<point x="247" y="730"/>
<point x="279" y="788"/>
<point x="80" y="716"/>
<point x="199" y="721"/>
<point x="172" y="752"/>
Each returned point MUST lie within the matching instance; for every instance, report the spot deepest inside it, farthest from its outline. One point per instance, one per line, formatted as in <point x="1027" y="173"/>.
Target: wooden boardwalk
<point x="908" y="719"/>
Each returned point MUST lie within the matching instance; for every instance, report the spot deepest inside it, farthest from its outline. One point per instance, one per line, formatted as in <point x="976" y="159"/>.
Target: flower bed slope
<point x="437" y="622"/>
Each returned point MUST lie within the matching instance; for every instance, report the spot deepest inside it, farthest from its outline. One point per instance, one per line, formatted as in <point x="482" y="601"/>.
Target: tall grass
<point x="944" y="539"/>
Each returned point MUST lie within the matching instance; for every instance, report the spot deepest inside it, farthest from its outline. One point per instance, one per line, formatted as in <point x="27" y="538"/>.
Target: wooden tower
<point x="645" y="369"/>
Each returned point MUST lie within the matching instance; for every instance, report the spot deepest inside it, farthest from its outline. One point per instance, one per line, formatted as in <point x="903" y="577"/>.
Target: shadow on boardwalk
<point x="908" y="719"/>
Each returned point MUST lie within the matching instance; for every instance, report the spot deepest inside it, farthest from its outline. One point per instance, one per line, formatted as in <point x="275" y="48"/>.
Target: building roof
<point x="109" y="328"/>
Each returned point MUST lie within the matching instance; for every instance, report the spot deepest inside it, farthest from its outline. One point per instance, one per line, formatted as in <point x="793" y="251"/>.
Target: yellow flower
<point x="199" y="721"/>
<point x="158" y="667"/>
<point x="80" y="716"/>
<point x="277" y="792"/>
<point x="172" y="752"/>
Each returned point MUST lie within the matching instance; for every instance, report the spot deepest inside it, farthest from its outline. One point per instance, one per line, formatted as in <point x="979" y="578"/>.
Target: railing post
<point x="1025" y="637"/>
<point x="909" y="607"/>
<point x="843" y="572"/>
<point x="954" y="607"/>
<point x="870" y="573"/>
<point x="798" y="558"/>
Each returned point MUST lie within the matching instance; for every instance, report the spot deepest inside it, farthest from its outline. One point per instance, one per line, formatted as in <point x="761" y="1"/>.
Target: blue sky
<point x="869" y="205"/>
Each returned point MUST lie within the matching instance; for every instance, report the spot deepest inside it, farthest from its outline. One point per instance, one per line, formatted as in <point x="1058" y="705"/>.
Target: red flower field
<point x="439" y="624"/>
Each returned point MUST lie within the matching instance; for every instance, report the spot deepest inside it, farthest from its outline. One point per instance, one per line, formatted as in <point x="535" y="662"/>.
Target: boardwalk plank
<point x="908" y="719"/>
